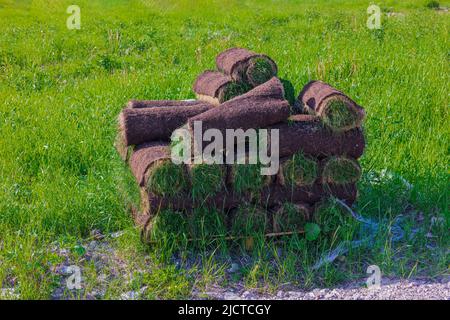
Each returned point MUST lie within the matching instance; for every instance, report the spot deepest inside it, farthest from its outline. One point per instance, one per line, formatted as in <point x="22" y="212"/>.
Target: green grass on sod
<point x="167" y="179"/>
<point x="338" y="115"/>
<point x="340" y="170"/>
<point x="234" y="89"/>
<point x="300" y="170"/>
<point x="168" y="224"/>
<point x="260" y="70"/>
<point x="247" y="178"/>
<point x="290" y="217"/>
<point x="206" y="180"/>
<point x="61" y="91"/>
<point x="249" y="220"/>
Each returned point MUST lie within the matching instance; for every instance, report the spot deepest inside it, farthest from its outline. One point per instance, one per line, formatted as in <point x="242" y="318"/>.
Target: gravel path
<point x="390" y="289"/>
<point x="105" y="260"/>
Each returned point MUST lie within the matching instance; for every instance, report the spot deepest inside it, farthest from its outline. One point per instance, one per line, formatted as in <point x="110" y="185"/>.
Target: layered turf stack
<point x="319" y="149"/>
<point x="238" y="71"/>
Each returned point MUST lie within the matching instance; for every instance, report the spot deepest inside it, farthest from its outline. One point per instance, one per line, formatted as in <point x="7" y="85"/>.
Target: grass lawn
<point x="61" y="178"/>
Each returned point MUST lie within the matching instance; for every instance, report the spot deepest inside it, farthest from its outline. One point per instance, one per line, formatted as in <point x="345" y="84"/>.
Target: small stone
<point x="234" y="268"/>
<point x="231" y="296"/>
<point x="116" y="234"/>
<point x="130" y="295"/>
<point x="92" y="245"/>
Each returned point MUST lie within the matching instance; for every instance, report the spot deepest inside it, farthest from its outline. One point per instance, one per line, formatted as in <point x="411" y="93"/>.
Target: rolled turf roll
<point x="141" y="125"/>
<point x="298" y="170"/>
<point x="138" y="104"/>
<point x="146" y="155"/>
<point x="290" y="217"/>
<point x="246" y="66"/>
<point x="215" y="87"/>
<point x="306" y="133"/>
<point x="246" y="178"/>
<point x="258" y="108"/>
<point x="340" y="170"/>
<point x="337" y="110"/>
<point x="249" y="220"/>
<point x="206" y="179"/>
<point x="153" y="168"/>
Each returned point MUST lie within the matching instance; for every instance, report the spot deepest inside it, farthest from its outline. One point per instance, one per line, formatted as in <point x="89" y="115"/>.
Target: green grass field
<point x="61" y="91"/>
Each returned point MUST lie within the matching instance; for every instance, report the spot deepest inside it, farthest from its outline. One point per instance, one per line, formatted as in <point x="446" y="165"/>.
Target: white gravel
<point x="390" y="289"/>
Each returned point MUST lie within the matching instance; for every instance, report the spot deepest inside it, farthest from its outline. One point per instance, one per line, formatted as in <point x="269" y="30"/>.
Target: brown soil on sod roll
<point x="215" y="87"/>
<point x="150" y="124"/>
<point x="290" y="217"/>
<point x="138" y="104"/>
<point x="222" y="201"/>
<point x="246" y="66"/>
<point x="276" y="195"/>
<point x="336" y="109"/>
<point x="306" y="133"/>
<point x="144" y="156"/>
<point x="340" y="170"/>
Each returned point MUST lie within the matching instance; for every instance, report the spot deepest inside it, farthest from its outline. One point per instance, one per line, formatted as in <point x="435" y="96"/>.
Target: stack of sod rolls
<point x="238" y="71"/>
<point x="319" y="147"/>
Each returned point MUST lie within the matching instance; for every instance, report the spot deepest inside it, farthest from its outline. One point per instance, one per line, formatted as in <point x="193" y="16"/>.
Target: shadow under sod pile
<point x="320" y="140"/>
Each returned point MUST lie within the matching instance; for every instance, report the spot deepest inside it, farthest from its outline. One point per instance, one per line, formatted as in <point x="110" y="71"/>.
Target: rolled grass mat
<point x="144" y="156"/>
<point x="215" y="87"/>
<point x="206" y="180"/>
<point x="337" y="110"/>
<point x="149" y="124"/>
<point x="247" y="178"/>
<point x="290" y="217"/>
<point x="246" y="66"/>
<point x="249" y="220"/>
<point x="297" y="171"/>
<point x="138" y="104"/>
<point x="306" y="133"/>
<point x="257" y="108"/>
<point x="340" y="170"/>
<point x="166" y="178"/>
